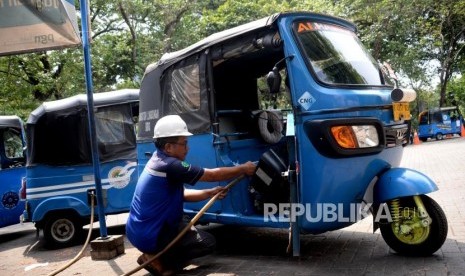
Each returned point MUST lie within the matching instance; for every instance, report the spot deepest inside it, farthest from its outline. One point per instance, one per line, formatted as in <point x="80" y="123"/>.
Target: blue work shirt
<point x="157" y="205"/>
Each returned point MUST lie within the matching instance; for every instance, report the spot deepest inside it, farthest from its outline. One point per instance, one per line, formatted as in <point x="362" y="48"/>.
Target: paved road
<point x="249" y="251"/>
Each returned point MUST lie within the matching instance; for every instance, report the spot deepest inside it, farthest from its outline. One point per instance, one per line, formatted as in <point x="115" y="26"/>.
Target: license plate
<point x="401" y="111"/>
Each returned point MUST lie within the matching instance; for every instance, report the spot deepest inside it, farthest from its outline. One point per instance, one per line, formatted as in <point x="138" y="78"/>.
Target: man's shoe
<point x="155" y="267"/>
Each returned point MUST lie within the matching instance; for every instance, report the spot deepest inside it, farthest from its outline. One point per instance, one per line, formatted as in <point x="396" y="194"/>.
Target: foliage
<point x="424" y="41"/>
<point x="457" y="94"/>
<point x="232" y="13"/>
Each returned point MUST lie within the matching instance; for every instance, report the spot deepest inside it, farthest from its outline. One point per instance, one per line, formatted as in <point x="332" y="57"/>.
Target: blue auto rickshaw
<point x="13" y="162"/>
<point x="439" y="122"/>
<point x="300" y="95"/>
<point x="60" y="175"/>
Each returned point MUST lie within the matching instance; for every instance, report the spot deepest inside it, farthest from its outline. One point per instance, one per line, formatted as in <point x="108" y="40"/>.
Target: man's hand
<point x="249" y="168"/>
<point x="226" y="173"/>
<point x="218" y="189"/>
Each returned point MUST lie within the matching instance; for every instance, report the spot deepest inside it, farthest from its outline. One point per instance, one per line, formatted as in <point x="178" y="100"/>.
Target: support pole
<point x="91" y="118"/>
<point x="292" y="177"/>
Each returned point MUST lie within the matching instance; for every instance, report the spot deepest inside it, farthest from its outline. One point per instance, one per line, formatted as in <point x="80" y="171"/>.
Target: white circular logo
<point x="119" y="177"/>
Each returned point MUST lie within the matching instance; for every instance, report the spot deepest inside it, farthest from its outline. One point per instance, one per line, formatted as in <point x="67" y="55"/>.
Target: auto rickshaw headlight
<point x="355" y="136"/>
<point x="346" y="137"/>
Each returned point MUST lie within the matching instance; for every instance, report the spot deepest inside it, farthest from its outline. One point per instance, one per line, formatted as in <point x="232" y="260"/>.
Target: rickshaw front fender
<point x="401" y="182"/>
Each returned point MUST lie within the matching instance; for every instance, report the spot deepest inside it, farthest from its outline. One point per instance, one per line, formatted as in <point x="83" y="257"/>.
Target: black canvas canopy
<point x="76" y="102"/>
<point x="10" y="121"/>
<point x="218" y="38"/>
<point x="155" y="104"/>
<point x="57" y="131"/>
<point x="180" y="82"/>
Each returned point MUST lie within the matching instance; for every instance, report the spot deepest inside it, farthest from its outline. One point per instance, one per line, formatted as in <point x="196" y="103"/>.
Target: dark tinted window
<point x="62" y="137"/>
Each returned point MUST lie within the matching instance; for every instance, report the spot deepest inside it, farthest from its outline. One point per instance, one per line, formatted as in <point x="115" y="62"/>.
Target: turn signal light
<point x="344" y="136"/>
<point x="356" y="136"/>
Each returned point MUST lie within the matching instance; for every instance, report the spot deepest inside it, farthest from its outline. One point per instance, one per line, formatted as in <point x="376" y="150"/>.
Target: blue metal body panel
<point x="56" y="203"/>
<point x="333" y="180"/>
<point x="65" y="187"/>
<point x="11" y="207"/>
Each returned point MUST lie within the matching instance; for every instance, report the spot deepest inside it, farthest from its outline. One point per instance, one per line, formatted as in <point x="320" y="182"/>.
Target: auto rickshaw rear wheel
<point x="407" y="237"/>
<point x="63" y="229"/>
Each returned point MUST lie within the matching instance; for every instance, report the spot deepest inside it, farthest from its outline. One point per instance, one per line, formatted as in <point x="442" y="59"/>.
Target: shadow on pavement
<point x="238" y="247"/>
<point x="37" y="248"/>
<point x="8" y="237"/>
<point x="248" y="251"/>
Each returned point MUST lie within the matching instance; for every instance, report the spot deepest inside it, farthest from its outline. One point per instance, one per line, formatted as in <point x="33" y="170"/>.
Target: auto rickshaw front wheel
<point x="410" y="233"/>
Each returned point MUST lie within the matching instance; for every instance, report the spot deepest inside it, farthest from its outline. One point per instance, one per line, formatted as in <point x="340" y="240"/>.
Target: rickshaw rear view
<point x="438" y="123"/>
<point x="299" y="94"/>
<point x="60" y="176"/>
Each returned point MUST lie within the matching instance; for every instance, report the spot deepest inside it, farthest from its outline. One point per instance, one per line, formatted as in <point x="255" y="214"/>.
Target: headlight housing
<point x="356" y="136"/>
<point x="346" y="137"/>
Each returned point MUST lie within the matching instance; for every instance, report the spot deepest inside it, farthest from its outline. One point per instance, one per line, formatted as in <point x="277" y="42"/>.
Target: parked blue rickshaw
<point x="60" y="175"/>
<point x="438" y="123"/>
<point x="13" y="162"/>
<point x="328" y="139"/>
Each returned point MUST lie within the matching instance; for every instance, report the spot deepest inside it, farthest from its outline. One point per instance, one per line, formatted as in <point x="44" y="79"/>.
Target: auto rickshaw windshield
<point x="336" y="55"/>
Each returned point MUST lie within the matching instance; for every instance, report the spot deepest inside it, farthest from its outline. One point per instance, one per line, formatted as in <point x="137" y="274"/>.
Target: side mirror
<point x="273" y="79"/>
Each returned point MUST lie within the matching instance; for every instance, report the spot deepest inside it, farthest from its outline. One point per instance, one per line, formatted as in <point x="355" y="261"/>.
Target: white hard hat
<point x="170" y="126"/>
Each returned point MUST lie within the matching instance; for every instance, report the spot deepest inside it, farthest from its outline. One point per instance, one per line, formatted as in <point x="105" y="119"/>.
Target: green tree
<point x="423" y="39"/>
<point x="126" y="37"/>
<point x="231" y="13"/>
<point x="457" y="94"/>
<point x="416" y="37"/>
<point x="448" y="36"/>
